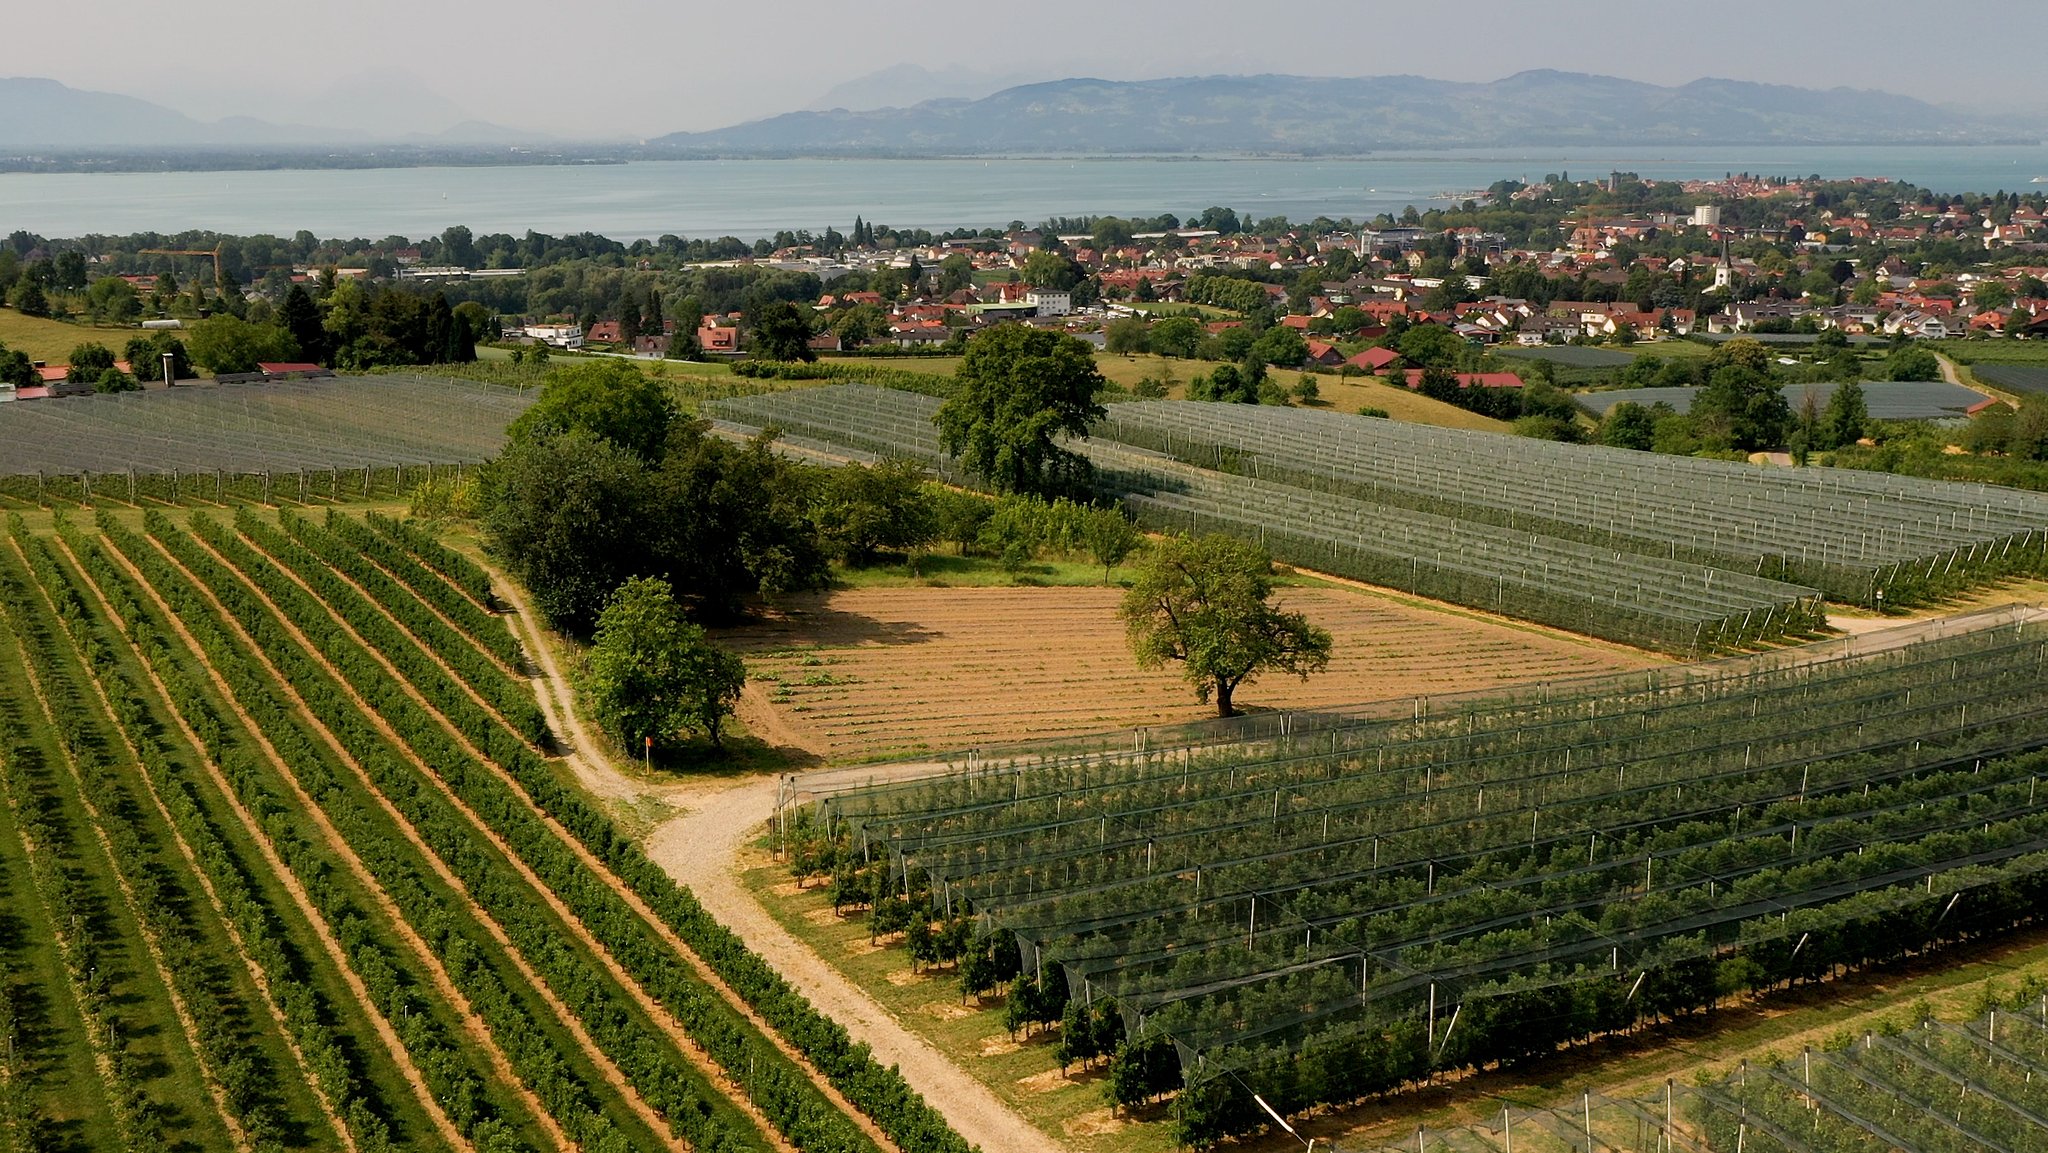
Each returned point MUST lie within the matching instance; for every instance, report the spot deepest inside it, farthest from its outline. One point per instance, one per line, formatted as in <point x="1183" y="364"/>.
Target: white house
<point x="556" y="335"/>
<point x="1050" y="302"/>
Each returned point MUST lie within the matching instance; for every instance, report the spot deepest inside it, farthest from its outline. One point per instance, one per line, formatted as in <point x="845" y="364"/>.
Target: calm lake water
<point x="751" y="198"/>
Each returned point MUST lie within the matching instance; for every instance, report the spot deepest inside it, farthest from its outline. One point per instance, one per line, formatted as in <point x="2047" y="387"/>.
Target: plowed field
<point x="870" y="672"/>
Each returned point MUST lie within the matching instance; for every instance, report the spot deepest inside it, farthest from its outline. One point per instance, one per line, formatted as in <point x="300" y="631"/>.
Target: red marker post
<point x="647" y="758"/>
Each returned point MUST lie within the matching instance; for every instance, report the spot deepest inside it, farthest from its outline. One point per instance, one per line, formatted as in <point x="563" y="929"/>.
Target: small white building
<point x="555" y="335"/>
<point x="1050" y="302"/>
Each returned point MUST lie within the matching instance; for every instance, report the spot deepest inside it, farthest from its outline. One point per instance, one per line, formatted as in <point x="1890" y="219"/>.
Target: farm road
<point x="699" y="849"/>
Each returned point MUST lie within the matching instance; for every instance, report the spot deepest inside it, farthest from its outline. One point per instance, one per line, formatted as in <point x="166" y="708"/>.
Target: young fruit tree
<point x="654" y="676"/>
<point x="1206" y="603"/>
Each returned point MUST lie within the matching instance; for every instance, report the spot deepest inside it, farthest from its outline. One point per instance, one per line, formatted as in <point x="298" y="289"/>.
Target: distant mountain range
<point x="1290" y="115"/>
<point x="1331" y="115"/>
<point x="900" y="85"/>
<point x="40" y="114"/>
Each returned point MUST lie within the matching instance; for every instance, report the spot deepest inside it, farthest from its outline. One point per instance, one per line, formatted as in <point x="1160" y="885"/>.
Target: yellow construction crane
<point x="213" y="252"/>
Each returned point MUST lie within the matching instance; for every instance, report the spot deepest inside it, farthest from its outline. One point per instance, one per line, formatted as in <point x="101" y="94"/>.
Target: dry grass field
<point x="865" y="673"/>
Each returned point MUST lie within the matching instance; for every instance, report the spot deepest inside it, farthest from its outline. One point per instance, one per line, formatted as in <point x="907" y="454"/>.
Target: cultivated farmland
<point x="860" y="673"/>
<point x="1938" y="1087"/>
<point x="1571" y="356"/>
<point x="1343" y="910"/>
<point x="320" y="435"/>
<point x="1860" y="537"/>
<point x="1671" y="603"/>
<point x="2013" y="377"/>
<point x="295" y="869"/>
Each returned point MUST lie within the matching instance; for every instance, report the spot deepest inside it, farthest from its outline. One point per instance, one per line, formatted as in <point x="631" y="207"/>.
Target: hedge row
<point x="461" y="1091"/>
<point x="667" y="1083"/>
<point x="468" y="615"/>
<point x="461" y="571"/>
<point x="878" y="1092"/>
<point x="191" y="967"/>
<point x="79" y="934"/>
<point x="261" y="934"/>
<point x="513" y="700"/>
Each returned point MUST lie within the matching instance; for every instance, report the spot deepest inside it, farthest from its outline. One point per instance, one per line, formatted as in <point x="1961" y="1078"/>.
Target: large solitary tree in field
<point x="1206" y="604"/>
<point x="654" y="677"/>
<point x="1019" y="388"/>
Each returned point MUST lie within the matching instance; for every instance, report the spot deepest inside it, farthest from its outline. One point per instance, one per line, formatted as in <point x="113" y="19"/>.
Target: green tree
<point x="28" y="297"/>
<point x="1109" y="536"/>
<point x="1021" y="388"/>
<point x="864" y="510"/>
<point x="1846" y="419"/>
<point x="1206" y="604"/>
<point x="112" y="300"/>
<point x="230" y="344"/>
<point x="1742" y="352"/>
<point x="728" y="521"/>
<point x="1431" y="346"/>
<point x="1048" y="269"/>
<point x="67" y="272"/>
<point x="88" y="361"/>
<point x="1912" y="363"/>
<point x="1126" y="336"/>
<point x="1992" y="295"/>
<point x="1628" y="425"/>
<point x="568" y="511"/>
<point x="1440" y="383"/>
<point x="299" y="316"/>
<point x="778" y="331"/>
<point x="858" y="325"/>
<point x="608" y="398"/>
<point x="1281" y="346"/>
<point x="16" y="368"/>
<point x="1177" y="336"/>
<point x="1742" y="409"/>
<point x="955" y="273"/>
<point x="114" y="380"/>
<point x="1227" y="383"/>
<point x="459" y="247"/>
<point x="654" y="676"/>
<point x="145" y="356"/>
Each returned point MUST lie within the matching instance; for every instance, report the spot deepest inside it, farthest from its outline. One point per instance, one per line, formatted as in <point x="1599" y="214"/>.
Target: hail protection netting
<point x="302" y="439"/>
<point x="1852" y="535"/>
<point x="1503" y="875"/>
<point x="1682" y="604"/>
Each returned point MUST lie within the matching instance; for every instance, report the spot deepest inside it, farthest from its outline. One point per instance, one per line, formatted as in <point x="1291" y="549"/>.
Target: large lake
<point x="751" y="198"/>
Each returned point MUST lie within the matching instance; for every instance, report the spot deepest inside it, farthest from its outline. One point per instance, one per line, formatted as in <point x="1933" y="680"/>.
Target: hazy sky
<point x="630" y="68"/>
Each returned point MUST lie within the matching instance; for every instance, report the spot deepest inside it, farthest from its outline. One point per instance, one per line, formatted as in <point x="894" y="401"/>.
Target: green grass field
<point x="51" y="341"/>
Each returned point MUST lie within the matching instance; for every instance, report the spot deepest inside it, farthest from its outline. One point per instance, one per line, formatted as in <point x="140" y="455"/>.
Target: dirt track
<point x="698" y="848"/>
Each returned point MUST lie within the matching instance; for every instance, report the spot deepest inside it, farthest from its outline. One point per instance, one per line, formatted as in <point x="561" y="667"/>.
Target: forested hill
<point x="1298" y="114"/>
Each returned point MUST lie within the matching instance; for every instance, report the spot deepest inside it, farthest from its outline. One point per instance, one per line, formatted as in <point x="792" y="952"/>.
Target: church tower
<point x="1724" y="272"/>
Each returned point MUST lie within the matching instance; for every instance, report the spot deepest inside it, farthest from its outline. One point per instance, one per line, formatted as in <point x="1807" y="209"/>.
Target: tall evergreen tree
<point x="299" y="316"/>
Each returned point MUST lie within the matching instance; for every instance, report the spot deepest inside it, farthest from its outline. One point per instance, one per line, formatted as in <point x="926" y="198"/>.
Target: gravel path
<point x="699" y="849"/>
